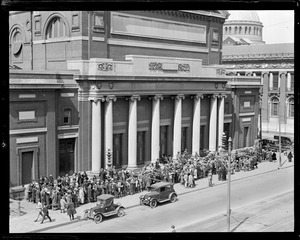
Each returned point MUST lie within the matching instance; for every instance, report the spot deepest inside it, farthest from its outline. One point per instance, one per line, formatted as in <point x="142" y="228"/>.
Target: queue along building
<point x="136" y="84"/>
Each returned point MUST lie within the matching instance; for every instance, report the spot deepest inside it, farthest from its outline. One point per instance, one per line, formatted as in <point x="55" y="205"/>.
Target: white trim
<point x="28" y="130"/>
<point x="247" y="114"/>
<point x="215" y="49"/>
<point x="68" y="127"/>
<point x="227" y="115"/>
<point x="27" y="140"/>
<point x="246" y="119"/>
<point x="227" y="120"/>
<point x="67" y="94"/>
<point x="67" y="135"/>
<point x="98" y="39"/>
<point x="145" y="44"/>
<point x="27" y="95"/>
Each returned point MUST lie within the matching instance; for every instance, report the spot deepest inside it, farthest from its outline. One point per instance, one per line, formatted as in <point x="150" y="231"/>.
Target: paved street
<point x="210" y="202"/>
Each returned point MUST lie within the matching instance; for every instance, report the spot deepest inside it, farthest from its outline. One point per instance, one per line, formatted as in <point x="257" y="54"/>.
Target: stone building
<point x="137" y="84"/>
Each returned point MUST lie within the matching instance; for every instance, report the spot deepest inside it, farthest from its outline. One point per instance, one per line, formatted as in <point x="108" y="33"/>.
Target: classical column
<point x="132" y="131"/>
<point x="177" y="125"/>
<point x="220" y="119"/>
<point x="213" y="123"/>
<point x="271" y="81"/>
<point x="108" y="123"/>
<point x="155" y="129"/>
<point x="96" y="133"/>
<point x="196" y="124"/>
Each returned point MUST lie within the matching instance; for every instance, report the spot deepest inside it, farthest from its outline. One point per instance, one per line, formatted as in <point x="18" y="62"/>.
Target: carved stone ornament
<point x="220" y="71"/>
<point x="105" y="66"/>
<point x="111" y="85"/>
<point x="158" y="97"/>
<point x="184" y="67"/>
<point x="155" y="66"/>
<point x="180" y="96"/>
<point x="199" y="96"/>
<point x="111" y="97"/>
<point x="95" y="86"/>
<point x="135" y="97"/>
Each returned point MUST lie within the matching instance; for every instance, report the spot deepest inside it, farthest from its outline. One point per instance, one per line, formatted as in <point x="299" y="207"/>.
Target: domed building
<point x="242" y="28"/>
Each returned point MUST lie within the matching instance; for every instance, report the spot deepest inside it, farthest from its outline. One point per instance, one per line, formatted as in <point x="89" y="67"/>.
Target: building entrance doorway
<point x="117" y="150"/>
<point x="246" y="137"/>
<point x="163" y="147"/>
<point x="141" y="147"/>
<point x="27" y="167"/>
<point x="184" y="144"/>
<point x="66" y="156"/>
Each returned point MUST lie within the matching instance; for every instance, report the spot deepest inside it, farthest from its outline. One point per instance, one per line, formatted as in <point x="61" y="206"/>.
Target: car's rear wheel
<point x="121" y="212"/>
<point x="173" y="198"/>
<point x="153" y="203"/>
<point x="86" y="216"/>
<point x="98" y="218"/>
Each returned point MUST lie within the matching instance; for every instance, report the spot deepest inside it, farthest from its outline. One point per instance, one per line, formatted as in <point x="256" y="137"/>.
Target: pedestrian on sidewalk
<point x="63" y="205"/>
<point x="45" y="214"/>
<point x="274" y="158"/>
<point x="173" y="229"/>
<point x="210" y="184"/>
<point x="290" y="156"/>
<point x="40" y="210"/>
<point x="71" y="210"/>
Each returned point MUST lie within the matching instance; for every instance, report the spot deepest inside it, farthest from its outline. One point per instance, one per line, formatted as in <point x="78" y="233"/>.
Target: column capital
<point x="213" y="96"/>
<point x="158" y="97"/>
<point x="222" y="95"/>
<point x="179" y="96"/>
<point x="282" y="72"/>
<point x="199" y="96"/>
<point x="95" y="99"/>
<point x="135" y="97"/>
<point x="111" y="97"/>
<point x="263" y="73"/>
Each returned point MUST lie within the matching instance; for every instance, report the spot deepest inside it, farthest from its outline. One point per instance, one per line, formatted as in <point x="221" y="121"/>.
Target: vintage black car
<point x="159" y="192"/>
<point x="105" y="207"/>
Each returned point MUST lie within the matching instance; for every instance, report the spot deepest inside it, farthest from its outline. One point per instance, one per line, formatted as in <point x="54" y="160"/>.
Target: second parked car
<point x="159" y="192"/>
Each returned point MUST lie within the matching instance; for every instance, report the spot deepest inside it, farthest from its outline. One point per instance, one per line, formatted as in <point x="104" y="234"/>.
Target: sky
<point x="278" y="26"/>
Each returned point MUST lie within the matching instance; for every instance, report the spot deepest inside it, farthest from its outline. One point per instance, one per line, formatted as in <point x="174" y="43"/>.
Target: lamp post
<point x="229" y="178"/>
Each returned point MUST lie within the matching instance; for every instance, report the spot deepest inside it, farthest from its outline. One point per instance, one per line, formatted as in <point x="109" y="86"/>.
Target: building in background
<point x="274" y="64"/>
<point x="137" y="84"/>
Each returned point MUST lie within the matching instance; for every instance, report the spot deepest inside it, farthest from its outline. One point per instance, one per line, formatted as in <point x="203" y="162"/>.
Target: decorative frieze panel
<point x="105" y="66"/>
<point x="220" y="71"/>
<point x="155" y="66"/>
<point x="263" y="65"/>
<point x="183" y="67"/>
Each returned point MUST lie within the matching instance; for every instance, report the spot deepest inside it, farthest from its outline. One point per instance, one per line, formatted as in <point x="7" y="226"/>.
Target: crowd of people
<point x="78" y="188"/>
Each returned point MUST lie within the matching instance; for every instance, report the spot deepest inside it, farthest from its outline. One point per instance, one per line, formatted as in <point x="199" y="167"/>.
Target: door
<point x="140" y="147"/>
<point x="246" y="137"/>
<point x="202" y="129"/>
<point x="184" y="137"/>
<point x="27" y="167"/>
<point x="163" y="140"/>
<point x="117" y="150"/>
<point x="66" y="156"/>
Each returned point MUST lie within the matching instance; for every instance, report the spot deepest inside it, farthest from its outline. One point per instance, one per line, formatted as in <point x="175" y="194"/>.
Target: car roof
<point x="104" y="197"/>
<point x="161" y="184"/>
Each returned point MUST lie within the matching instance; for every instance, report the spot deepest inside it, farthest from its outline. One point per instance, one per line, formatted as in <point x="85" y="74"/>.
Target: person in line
<point x="290" y="156"/>
<point x="210" y="184"/>
<point x="71" y="210"/>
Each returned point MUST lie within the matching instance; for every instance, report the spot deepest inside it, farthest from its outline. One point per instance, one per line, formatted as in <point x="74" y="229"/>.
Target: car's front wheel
<point x="173" y="198"/>
<point x="121" y="212"/>
<point x="98" y="218"/>
<point x="153" y="203"/>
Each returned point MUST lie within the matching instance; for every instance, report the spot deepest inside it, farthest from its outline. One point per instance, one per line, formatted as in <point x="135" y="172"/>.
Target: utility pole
<point x="279" y="125"/>
<point x="228" y="189"/>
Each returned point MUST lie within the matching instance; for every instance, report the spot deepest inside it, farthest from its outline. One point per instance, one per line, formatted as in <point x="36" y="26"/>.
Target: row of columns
<point x="216" y="114"/>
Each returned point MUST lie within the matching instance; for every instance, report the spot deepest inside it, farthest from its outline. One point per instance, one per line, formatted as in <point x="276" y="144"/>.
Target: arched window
<point x="290" y="107"/>
<point x="56" y="28"/>
<point x="235" y="30"/>
<point x="16" y="41"/>
<point x="274" y="104"/>
<point x="229" y="30"/>
<point x="246" y="29"/>
<point x="225" y="30"/>
<point x="240" y="30"/>
<point x="249" y="30"/>
<point x="67" y="116"/>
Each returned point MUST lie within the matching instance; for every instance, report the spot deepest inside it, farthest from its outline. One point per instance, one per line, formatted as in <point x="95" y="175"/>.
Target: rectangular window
<point x="226" y="108"/>
<point x="292" y="82"/>
<point x="26" y="115"/>
<point x="275" y="82"/>
<point x="291" y="110"/>
<point x="274" y="109"/>
<point x="246" y="104"/>
<point x="67" y="116"/>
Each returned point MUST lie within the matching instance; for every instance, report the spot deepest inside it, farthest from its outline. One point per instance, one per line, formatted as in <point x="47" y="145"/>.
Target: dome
<point x="243" y="16"/>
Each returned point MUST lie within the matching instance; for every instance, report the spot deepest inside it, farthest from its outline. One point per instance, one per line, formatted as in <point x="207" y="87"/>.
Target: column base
<point x="132" y="167"/>
<point x="92" y="173"/>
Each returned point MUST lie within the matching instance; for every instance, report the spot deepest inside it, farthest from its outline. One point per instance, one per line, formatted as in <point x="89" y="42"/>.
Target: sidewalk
<point x="25" y="221"/>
